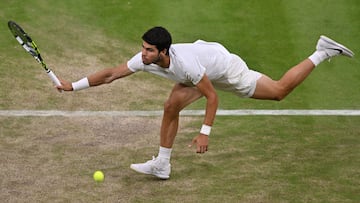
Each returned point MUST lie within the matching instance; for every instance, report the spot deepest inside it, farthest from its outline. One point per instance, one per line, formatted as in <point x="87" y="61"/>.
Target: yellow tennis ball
<point x="98" y="176"/>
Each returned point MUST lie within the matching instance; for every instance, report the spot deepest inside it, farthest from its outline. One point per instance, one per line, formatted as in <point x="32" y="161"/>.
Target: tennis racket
<point x="29" y="45"/>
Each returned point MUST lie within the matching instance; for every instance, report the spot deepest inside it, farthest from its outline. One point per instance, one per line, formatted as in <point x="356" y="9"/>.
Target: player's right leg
<point x="180" y="97"/>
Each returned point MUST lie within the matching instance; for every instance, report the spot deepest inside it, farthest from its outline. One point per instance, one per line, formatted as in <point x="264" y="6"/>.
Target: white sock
<point x="318" y="56"/>
<point x="165" y="153"/>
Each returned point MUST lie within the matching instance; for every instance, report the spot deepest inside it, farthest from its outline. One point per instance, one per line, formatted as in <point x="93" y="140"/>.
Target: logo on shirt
<point x="192" y="79"/>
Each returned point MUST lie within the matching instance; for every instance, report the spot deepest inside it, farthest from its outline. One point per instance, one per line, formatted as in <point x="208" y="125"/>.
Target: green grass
<point x="251" y="158"/>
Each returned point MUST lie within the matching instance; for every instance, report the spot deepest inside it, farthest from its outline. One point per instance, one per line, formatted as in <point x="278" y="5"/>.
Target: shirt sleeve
<point x="135" y="64"/>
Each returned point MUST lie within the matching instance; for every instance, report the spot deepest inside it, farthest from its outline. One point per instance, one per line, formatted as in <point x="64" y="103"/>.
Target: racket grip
<point x="53" y="77"/>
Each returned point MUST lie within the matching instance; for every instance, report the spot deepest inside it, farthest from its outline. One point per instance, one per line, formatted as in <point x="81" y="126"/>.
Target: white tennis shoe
<point x="157" y="167"/>
<point x="332" y="48"/>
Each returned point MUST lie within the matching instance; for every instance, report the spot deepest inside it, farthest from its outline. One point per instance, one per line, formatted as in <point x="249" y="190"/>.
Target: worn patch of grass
<point x="251" y="159"/>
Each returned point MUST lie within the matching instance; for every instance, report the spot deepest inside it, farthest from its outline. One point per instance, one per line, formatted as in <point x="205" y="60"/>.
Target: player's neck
<point x="164" y="61"/>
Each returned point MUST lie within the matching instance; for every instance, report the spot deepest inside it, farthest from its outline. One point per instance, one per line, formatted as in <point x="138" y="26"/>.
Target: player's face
<point x="150" y="54"/>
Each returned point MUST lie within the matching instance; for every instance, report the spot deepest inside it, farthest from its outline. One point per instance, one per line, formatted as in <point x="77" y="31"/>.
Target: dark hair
<point x="159" y="37"/>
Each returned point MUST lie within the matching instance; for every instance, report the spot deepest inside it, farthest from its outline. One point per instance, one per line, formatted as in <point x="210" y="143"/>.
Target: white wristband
<point x="205" y="129"/>
<point x="81" y="84"/>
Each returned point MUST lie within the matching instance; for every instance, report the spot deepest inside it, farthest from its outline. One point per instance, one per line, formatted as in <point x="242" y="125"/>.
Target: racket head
<point x="17" y="31"/>
<point x="25" y="40"/>
<point x="29" y="45"/>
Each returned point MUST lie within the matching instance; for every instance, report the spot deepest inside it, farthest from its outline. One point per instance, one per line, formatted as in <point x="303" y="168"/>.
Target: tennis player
<point x="198" y="69"/>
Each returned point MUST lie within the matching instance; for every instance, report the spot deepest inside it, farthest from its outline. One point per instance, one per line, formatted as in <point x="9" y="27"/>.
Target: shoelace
<point x="152" y="160"/>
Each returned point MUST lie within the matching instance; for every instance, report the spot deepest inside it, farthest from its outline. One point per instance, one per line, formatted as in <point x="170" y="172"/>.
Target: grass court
<point x="251" y="158"/>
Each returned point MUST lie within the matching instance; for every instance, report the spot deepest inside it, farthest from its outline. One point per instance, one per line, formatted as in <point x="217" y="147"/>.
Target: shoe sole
<point x="343" y="50"/>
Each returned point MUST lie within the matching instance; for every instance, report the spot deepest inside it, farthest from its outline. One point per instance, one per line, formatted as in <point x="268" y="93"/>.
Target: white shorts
<point x="238" y="79"/>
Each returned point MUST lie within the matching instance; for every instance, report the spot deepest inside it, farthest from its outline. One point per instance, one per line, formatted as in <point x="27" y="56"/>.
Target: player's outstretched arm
<point x="104" y="76"/>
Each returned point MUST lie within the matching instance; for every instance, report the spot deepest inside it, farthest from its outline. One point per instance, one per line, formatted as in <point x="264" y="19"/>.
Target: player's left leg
<point x="266" y="88"/>
<point x="180" y="97"/>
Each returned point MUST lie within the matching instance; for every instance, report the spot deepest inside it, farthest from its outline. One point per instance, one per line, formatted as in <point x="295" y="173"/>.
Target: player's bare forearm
<point x="202" y="139"/>
<point x="101" y="77"/>
<point x="207" y="89"/>
<point x="211" y="107"/>
<point x="108" y="75"/>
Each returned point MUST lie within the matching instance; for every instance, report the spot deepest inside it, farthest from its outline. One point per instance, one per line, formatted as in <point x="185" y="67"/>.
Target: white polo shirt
<point x="190" y="61"/>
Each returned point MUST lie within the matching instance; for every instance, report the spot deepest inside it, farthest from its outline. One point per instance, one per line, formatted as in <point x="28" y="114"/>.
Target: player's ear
<point x="164" y="51"/>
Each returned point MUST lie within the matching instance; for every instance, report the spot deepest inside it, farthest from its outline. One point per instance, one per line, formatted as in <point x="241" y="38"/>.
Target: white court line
<point x="239" y="112"/>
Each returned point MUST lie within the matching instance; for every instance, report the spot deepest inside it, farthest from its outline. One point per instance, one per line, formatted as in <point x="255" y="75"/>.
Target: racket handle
<point x="53" y="77"/>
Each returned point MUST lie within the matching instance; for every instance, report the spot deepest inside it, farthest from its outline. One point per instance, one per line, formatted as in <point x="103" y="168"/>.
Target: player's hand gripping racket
<point x="29" y="45"/>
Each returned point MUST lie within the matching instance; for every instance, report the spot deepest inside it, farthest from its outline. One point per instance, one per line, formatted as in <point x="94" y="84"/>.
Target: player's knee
<point x="171" y="107"/>
<point x="278" y="93"/>
<point x="281" y="94"/>
<point x="271" y="90"/>
<point x="279" y="97"/>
